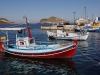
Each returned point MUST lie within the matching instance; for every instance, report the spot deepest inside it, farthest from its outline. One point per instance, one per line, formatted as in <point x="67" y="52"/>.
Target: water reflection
<point x="83" y="44"/>
<point x="16" y="65"/>
<point x="1" y="56"/>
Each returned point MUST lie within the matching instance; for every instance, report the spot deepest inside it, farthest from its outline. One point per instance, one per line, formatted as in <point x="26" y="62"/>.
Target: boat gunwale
<point x="40" y="51"/>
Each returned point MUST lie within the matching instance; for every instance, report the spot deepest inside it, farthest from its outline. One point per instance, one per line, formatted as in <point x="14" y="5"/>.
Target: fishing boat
<point x="27" y="47"/>
<point x="85" y="23"/>
<point x="82" y="21"/>
<point x="88" y="28"/>
<point x="85" y="20"/>
<point x="63" y="35"/>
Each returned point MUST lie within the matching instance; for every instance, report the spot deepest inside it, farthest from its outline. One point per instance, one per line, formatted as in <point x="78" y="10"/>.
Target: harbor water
<point x="86" y="60"/>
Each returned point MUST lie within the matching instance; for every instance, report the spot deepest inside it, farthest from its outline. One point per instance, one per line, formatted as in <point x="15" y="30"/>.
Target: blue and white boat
<point x="88" y="27"/>
<point x="26" y="46"/>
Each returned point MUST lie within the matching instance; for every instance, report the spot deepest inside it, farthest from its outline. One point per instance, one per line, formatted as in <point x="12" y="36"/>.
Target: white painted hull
<point x="71" y="36"/>
<point x="74" y="37"/>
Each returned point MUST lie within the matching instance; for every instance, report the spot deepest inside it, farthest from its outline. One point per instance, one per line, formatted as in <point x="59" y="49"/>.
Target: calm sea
<point x="86" y="60"/>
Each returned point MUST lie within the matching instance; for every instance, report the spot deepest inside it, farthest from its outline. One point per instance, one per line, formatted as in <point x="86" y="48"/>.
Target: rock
<point x="53" y="20"/>
<point x="5" y="21"/>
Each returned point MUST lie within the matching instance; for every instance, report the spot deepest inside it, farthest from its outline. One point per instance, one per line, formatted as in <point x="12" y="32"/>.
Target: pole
<point x="74" y="17"/>
<point x="92" y="17"/>
<point x="85" y="11"/>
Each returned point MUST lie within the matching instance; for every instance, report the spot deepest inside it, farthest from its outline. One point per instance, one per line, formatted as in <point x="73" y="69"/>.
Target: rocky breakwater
<point x="5" y="21"/>
<point x="53" y="20"/>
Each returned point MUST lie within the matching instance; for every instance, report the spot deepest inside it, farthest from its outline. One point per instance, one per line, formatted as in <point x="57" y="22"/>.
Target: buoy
<point x="3" y="38"/>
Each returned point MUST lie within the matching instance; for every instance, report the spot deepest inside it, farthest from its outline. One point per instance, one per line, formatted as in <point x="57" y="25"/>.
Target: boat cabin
<point x="24" y="42"/>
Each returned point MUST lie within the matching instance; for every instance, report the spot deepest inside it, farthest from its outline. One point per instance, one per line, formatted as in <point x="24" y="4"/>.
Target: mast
<point x="85" y="11"/>
<point x="28" y="28"/>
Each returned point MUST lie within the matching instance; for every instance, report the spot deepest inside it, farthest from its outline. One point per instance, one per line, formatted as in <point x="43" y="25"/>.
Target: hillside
<point x="53" y="20"/>
<point x="5" y="21"/>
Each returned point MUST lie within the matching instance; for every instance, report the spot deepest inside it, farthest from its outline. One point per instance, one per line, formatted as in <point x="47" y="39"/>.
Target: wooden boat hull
<point x="66" y="53"/>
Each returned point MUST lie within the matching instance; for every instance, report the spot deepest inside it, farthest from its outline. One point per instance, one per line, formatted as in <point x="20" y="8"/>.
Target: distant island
<point x="5" y="21"/>
<point x="53" y="20"/>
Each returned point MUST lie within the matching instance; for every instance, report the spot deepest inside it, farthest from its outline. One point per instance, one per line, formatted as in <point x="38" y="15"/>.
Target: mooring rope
<point x="89" y="57"/>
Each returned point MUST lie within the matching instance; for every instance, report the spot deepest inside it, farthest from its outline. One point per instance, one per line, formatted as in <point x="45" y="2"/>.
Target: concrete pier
<point x="58" y="27"/>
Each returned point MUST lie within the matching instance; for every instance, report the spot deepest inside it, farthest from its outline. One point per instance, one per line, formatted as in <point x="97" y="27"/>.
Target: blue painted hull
<point x="92" y="30"/>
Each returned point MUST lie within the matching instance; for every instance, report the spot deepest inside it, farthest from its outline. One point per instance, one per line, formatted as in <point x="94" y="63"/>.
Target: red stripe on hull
<point x="68" y="53"/>
<point x="1" y="49"/>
